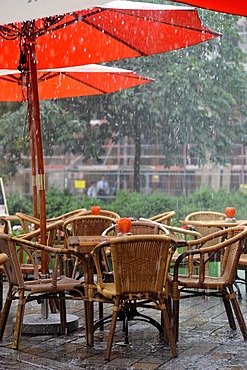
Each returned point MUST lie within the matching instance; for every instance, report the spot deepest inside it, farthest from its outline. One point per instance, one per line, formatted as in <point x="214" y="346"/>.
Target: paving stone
<point x="205" y="342"/>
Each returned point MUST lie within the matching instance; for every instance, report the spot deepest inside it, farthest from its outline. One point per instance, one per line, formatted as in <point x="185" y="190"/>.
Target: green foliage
<point x="59" y="202"/>
<point x="17" y="203"/>
<point x="138" y="205"/>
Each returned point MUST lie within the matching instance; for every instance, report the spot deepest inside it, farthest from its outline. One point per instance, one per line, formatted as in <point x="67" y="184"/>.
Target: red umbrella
<point x="237" y="7"/>
<point x="69" y="82"/>
<point x="115" y="31"/>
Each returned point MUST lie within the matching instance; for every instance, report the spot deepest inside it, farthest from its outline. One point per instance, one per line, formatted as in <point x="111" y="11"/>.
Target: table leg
<point x="89" y="308"/>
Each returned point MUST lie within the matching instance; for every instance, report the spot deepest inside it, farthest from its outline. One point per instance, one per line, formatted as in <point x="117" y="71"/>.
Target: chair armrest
<point x="183" y="231"/>
<point x="109" y="229"/>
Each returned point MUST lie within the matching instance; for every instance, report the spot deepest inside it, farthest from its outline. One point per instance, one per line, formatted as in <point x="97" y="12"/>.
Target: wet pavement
<point x="205" y="342"/>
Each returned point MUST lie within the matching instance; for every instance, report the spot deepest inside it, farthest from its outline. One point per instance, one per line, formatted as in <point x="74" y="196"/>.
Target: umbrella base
<point x="35" y="324"/>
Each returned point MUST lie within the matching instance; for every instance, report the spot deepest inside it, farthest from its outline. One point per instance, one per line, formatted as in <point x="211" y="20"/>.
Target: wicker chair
<point x="140" y="266"/>
<point x="84" y="225"/>
<point x="206" y="215"/>
<point x="56" y="286"/>
<point x="184" y="286"/>
<point x="163" y="218"/>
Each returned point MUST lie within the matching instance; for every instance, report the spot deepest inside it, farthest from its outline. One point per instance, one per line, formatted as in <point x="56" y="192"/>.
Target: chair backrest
<point x="104" y="212"/>
<point x="65" y="216"/>
<point x="27" y="221"/>
<point x="51" y="233"/>
<point x="203" y="216"/>
<point x="87" y="225"/>
<point x="12" y="265"/>
<point x="234" y="247"/>
<point x="140" y="263"/>
<point x="139" y="228"/>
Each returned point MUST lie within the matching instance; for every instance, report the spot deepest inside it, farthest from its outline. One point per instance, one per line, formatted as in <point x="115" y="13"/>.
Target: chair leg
<point x="112" y="328"/>
<point x="5" y="312"/>
<point x="63" y="320"/>
<point x="19" y="320"/>
<point x="168" y="331"/>
<point x="229" y="312"/>
<point x="238" y="313"/>
<point x="1" y="290"/>
<point x="175" y="318"/>
<point x="101" y="314"/>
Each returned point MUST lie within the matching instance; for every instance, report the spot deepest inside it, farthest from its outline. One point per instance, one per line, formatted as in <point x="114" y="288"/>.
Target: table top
<point x="85" y="244"/>
<point x="213" y="223"/>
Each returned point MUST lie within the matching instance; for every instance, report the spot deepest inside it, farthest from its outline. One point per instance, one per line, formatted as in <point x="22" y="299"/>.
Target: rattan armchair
<point x="55" y="286"/>
<point x="139" y="227"/>
<point x="140" y="266"/>
<point x="203" y="216"/>
<point x="202" y="284"/>
<point x="85" y="225"/>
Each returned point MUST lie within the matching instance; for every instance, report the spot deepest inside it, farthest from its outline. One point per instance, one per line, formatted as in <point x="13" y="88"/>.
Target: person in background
<point x="103" y="188"/>
<point x="92" y="190"/>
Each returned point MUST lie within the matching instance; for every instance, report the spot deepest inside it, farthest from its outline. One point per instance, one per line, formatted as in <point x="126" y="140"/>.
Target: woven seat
<point x="140" y="266"/>
<point x="186" y="285"/>
<point x="55" y="286"/>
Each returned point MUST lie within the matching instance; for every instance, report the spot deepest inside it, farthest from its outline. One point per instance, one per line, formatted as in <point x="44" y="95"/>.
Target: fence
<point x="69" y="172"/>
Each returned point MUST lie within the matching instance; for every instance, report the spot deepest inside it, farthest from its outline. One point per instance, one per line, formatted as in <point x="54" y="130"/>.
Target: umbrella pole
<point x="32" y="148"/>
<point x="39" y="149"/>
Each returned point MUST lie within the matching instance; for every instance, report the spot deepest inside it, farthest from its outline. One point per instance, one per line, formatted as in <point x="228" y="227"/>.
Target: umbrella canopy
<point x="24" y="10"/>
<point x="237" y="7"/>
<point x="117" y="30"/>
<point x="69" y="82"/>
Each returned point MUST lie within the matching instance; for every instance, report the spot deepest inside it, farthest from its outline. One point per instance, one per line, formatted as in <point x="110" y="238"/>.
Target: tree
<point x="198" y="98"/>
